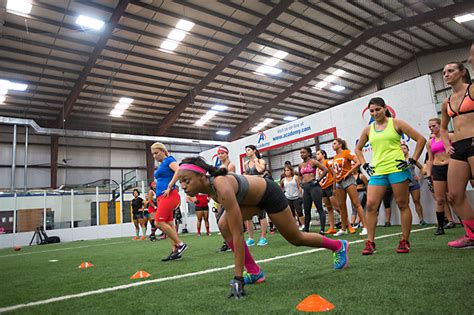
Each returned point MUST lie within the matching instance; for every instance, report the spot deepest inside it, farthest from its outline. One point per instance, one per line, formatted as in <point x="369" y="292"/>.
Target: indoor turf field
<point x="430" y="279"/>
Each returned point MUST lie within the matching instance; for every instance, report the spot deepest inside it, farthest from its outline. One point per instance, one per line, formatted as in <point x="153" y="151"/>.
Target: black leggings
<point x="313" y="193"/>
<point x="295" y="207"/>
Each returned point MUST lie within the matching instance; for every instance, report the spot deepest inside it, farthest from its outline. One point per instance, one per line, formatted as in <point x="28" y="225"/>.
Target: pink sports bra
<point x="308" y="169"/>
<point x="437" y="146"/>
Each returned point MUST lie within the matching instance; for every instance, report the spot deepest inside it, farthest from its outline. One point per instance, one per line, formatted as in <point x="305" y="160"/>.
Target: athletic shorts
<point x="415" y="186"/>
<point x="345" y="183"/>
<point x="390" y="179"/>
<point x="202" y="209"/>
<point x="463" y="149"/>
<point x="328" y="192"/>
<point x="146" y="215"/>
<point x="137" y="215"/>
<point x="440" y="173"/>
<point x="273" y="199"/>
<point x="166" y="206"/>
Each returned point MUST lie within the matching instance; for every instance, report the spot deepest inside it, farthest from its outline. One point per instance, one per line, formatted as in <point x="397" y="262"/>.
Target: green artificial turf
<point x="431" y="279"/>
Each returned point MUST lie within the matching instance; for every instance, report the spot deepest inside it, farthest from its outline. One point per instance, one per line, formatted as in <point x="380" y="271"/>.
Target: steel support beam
<point x="419" y="19"/>
<point x="172" y="116"/>
<point x="77" y="88"/>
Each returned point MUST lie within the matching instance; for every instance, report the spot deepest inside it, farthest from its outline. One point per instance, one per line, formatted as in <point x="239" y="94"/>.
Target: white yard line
<point x="61" y="249"/>
<point x="186" y="275"/>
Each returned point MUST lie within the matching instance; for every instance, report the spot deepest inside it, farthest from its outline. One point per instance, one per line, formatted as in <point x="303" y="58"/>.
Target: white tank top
<point x="291" y="189"/>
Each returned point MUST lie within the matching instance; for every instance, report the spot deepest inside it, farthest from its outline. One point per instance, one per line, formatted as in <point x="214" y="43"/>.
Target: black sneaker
<point x="181" y="248"/>
<point x="152" y="238"/>
<point x="224" y="249"/>
<point x="175" y="255"/>
<point x="168" y="258"/>
<point x="450" y="225"/>
<point x="439" y="231"/>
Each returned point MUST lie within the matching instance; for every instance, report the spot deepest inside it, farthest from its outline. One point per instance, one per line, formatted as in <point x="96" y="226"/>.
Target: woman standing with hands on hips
<point x="389" y="169"/>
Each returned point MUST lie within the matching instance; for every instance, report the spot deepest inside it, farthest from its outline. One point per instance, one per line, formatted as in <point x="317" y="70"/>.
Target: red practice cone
<point x="140" y="275"/>
<point x="315" y="303"/>
<point x="85" y="265"/>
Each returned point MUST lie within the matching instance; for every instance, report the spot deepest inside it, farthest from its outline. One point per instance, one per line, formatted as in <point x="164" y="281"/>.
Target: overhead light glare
<point x="177" y="35"/>
<point x="219" y="107"/>
<point x="185" y="25"/>
<point x="200" y="122"/>
<point x="116" y="113"/>
<point x="169" y="45"/>
<point x="290" y="118"/>
<point x="255" y="129"/>
<point x="339" y="72"/>
<point x="337" y="88"/>
<point x="122" y="106"/>
<point x="2" y="99"/>
<point x="464" y="18"/>
<point x="223" y="132"/>
<point x="268" y="120"/>
<point x="268" y="70"/>
<point x="280" y="54"/>
<point x="272" y="61"/>
<point x="320" y="85"/>
<point x="88" y="22"/>
<point x="3" y="92"/>
<point x="9" y="85"/>
<point x="19" y="6"/>
<point x="126" y="100"/>
<point x="330" y="78"/>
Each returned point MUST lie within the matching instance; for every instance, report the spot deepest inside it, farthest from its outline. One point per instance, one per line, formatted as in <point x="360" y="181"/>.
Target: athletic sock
<point x="250" y="264"/>
<point x="440" y="218"/>
<point x="207" y="229"/>
<point x="469" y="227"/>
<point x="331" y="244"/>
<point x="137" y="232"/>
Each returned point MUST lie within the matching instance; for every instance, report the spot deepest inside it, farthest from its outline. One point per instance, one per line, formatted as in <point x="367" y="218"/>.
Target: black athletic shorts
<point x="328" y="192"/>
<point x="463" y="149"/>
<point x="273" y="200"/>
<point x="202" y="209"/>
<point x="439" y="173"/>
<point x="138" y="215"/>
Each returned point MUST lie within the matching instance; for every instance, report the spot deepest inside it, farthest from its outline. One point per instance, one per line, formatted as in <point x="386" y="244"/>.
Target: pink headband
<point x="220" y="149"/>
<point x="192" y="167"/>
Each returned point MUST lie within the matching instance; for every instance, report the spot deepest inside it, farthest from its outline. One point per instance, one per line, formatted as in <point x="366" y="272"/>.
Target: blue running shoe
<point x="250" y="278"/>
<point x="340" y="258"/>
<point x="262" y="242"/>
<point x="250" y="242"/>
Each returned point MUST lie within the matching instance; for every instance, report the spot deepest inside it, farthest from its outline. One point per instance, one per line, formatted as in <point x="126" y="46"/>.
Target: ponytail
<point x="342" y="142"/>
<point x="257" y="153"/>
<point x="199" y="161"/>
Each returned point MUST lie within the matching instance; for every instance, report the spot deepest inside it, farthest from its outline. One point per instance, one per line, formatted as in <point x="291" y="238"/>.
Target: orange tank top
<point x="466" y="106"/>
<point x="327" y="180"/>
<point x="342" y="164"/>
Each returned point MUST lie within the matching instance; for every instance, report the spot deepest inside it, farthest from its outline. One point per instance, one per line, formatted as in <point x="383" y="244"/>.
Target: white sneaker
<point x="341" y="232"/>
<point x="364" y="232"/>
<point x="301" y="228"/>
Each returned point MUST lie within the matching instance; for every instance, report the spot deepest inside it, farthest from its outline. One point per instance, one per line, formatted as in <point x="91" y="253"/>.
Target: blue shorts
<point x="390" y="179"/>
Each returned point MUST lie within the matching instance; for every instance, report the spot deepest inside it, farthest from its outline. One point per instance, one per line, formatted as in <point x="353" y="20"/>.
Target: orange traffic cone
<point x="140" y="275"/>
<point x="85" y="265"/>
<point x="315" y="303"/>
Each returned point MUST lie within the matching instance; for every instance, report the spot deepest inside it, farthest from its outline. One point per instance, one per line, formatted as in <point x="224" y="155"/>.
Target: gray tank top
<point x="291" y="189"/>
<point x="242" y="183"/>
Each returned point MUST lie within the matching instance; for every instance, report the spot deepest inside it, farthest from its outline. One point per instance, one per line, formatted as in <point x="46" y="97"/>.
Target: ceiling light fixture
<point x="223" y="132"/>
<point x="3" y="92"/>
<point x="169" y="45"/>
<point x="280" y="54"/>
<point x="320" y="85"/>
<point x="116" y="113"/>
<point x="268" y="70"/>
<point x="464" y="18"/>
<point x="272" y="62"/>
<point x="200" y="122"/>
<point x="19" y="6"/>
<point x="219" y="107"/>
<point x="89" y="22"/>
<point x="185" y="25"/>
<point x="126" y="100"/>
<point x="177" y="35"/>
<point x="9" y="85"/>
<point x="122" y="106"/>
<point x="290" y="118"/>
<point x="339" y="72"/>
<point x="337" y="88"/>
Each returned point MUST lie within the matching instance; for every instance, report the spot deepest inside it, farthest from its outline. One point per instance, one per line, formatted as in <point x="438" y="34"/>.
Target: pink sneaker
<point x="462" y="242"/>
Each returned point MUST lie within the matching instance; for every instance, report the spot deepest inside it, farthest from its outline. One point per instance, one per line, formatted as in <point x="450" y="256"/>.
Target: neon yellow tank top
<point x="385" y="149"/>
